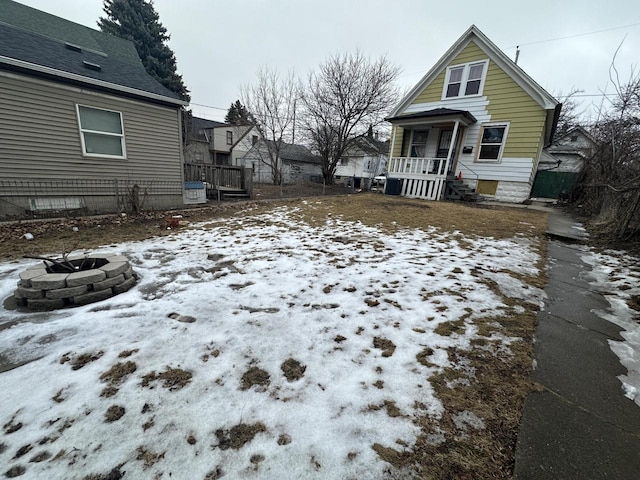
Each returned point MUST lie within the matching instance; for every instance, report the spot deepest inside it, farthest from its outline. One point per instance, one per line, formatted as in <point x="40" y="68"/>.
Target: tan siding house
<point x="81" y="126"/>
<point x="476" y="116"/>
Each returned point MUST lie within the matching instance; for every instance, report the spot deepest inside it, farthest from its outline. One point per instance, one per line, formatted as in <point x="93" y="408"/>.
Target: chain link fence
<point x="268" y="190"/>
<point x="35" y="198"/>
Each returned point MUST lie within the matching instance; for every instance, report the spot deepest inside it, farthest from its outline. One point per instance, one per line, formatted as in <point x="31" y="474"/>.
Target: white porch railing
<point x="422" y="177"/>
<point x="410" y="167"/>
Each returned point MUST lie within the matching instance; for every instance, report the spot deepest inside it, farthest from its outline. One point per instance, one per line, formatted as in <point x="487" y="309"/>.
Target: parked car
<point x="377" y="185"/>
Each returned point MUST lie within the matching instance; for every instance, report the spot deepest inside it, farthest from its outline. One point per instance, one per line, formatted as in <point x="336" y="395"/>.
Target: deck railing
<point x="414" y="167"/>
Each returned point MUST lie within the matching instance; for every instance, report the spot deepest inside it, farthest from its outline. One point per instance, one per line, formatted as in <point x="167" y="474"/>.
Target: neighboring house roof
<point x="35" y="42"/>
<point x="576" y="138"/>
<point x="367" y="145"/>
<point x="535" y="91"/>
<point x="289" y="152"/>
<point x="298" y="153"/>
<point x="573" y="147"/>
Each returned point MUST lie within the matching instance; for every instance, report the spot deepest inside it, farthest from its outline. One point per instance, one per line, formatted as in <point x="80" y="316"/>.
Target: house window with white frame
<point x="465" y="80"/>
<point x="418" y="146"/>
<point x="101" y="132"/>
<point x="492" y="140"/>
<point x="229" y="138"/>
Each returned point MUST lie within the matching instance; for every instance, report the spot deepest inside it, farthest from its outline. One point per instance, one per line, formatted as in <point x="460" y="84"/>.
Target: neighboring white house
<point x="296" y="163"/>
<point x="364" y="160"/>
<point x="245" y="139"/>
<point x="215" y="143"/>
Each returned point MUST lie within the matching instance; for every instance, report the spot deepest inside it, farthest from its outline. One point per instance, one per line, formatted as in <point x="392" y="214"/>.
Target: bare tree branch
<point x="271" y="102"/>
<point x="348" y="94"/>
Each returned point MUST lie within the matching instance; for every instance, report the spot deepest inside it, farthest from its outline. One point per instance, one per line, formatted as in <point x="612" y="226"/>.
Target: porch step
<point x="457" y="190"/>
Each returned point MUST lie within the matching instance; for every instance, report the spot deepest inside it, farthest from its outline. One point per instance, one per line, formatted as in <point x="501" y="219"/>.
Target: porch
<point x="424" y="150"/>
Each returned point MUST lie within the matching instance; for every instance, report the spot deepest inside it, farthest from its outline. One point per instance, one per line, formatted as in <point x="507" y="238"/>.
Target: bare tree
<point x="569" y="114"/>
<point x="348" y="94"/>
<point x="271" y="101"/>
<point x="610" y="188"/>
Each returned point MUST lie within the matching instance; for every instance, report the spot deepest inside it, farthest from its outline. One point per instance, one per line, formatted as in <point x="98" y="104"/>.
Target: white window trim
<point x="504" y="141"/>
<point x="428" y="131"/>
<point x="82" y="131"/>
<point x="463" y="80"/>
<point x="229" y="137"/>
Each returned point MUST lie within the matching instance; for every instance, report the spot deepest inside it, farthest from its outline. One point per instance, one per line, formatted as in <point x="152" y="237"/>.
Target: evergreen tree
<point x="239" y="115"/>
<point x="137" y="20"/>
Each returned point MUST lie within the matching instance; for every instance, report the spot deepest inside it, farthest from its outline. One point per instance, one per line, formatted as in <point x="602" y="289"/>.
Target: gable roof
<point x="35" y="42"/>
<point x="575" y="131"/>
<point x="367" y="145"/>
<point x="298" y="153"/>
<point x="539" y="94"/>
<point x="288" y="151"/>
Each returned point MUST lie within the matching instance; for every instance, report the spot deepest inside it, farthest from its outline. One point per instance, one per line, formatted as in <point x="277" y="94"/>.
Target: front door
<point x="443" y="147"/>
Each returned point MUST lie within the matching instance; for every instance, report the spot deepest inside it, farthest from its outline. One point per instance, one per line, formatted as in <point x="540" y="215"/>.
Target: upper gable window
<point x="101" y="132"/>
<point x="465" y="80"/>
<point x="229" y="138"/>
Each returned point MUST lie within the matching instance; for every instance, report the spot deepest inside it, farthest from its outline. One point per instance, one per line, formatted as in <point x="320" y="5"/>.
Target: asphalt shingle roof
<point x="36" y="37"/>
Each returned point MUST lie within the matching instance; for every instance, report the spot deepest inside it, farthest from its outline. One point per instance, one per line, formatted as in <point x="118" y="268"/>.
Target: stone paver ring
<point x="48" y="286"/>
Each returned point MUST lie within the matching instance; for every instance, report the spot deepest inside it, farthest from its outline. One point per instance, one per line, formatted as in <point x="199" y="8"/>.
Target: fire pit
<point x="73" y="281"/>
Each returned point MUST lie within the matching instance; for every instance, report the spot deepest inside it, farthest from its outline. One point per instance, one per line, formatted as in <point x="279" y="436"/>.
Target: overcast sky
<point x="220" y="44"/>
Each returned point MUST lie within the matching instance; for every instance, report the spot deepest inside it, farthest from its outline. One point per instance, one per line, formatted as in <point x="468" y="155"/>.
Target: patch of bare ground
<point x="114" y="474"/>
<point x="255" y="376"/>
<point x="384" y="344"/>
<point x="237" y="436"/>
<point x="489" y="383"/>
<point x="147" y="457"/>
<point x="115" y="376"/>
<point x="394" y="213"/>
<point x="634" y="302"/>
<point x="172" y="378"/>
<point x="57" y="235"/>
<point x="293" y="370"/>
<point x="15" y="471"/>
<point x="79" y="361"/>
<point x="114" y="413"/>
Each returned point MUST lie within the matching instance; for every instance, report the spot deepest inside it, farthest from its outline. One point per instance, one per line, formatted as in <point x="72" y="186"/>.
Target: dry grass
<point x="495" y="380"/>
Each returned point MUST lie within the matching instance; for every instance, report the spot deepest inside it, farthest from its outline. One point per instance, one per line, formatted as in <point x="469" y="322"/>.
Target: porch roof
<point x="432" y="116"/>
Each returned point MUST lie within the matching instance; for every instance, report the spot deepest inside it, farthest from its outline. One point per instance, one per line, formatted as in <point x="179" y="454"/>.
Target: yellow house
<point x="476" y="117"/>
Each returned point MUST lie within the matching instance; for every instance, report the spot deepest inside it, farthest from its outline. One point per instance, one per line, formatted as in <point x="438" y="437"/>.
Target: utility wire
<point x="574" y="36"/>
<point x="549" y="40"/>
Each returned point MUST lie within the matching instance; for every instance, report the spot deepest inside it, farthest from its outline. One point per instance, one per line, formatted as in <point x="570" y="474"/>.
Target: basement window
<point x="101" y="132"/>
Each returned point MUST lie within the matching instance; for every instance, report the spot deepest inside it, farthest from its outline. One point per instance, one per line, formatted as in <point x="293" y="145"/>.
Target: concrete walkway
<point x="580" y="426"/>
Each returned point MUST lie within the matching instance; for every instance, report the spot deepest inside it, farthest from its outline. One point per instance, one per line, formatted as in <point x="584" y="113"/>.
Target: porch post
<point x="454" y="135"/>
<point x="393" y="145"/>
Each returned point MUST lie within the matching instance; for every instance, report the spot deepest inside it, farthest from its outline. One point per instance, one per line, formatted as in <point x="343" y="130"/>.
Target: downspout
<point x="180" y="139"/>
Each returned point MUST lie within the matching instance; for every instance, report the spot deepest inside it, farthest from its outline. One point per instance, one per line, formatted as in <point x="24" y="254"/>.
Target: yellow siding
<point x="507" y="102"/>
<point x="433" y="91"/>
<point x="397" y="146"/>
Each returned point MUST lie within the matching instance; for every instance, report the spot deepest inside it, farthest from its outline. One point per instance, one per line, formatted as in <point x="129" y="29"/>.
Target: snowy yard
<point x="256" y="346"/>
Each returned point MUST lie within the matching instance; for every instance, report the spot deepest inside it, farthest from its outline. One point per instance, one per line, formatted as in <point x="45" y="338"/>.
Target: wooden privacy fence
<point x="219" y="176"/>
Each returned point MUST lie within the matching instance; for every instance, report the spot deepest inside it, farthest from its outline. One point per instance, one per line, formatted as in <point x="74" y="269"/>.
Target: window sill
<point x="99" y="155"/>
<point x="460" y="97"/>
